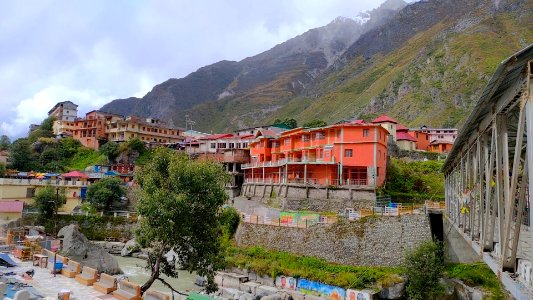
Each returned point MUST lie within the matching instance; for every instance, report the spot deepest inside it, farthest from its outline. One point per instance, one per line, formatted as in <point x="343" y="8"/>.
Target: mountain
<point x="423" y="63"/>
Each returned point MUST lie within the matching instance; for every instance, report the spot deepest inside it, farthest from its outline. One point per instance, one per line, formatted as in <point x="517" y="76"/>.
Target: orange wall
<point x="422" y="140"/>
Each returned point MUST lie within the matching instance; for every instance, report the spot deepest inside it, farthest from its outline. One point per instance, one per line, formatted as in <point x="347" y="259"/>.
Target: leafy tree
<point x="110" y="150"/>
<point x="424" y="266"/>
<point x="104" y="192"/>
<point x="2" y="169"/>
<point x="135" y="144"/>
<point x="20" y="155"/>
<point x="69" y="147"/>
<point x="315" y="123"/>
<point x="5" y="142"/>
<point x="44" y="130"/>
<point x="289" y="122"/>
<point x="47" y="200"/>
<point x="180" y="201"/>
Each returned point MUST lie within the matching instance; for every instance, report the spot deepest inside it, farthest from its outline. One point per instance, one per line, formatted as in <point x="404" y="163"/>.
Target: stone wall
<point x="374" y="241"/>
<point x="294" y="197"/>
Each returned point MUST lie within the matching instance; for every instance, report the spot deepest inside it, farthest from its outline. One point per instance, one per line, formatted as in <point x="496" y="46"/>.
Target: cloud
<point x="95" y="51"/>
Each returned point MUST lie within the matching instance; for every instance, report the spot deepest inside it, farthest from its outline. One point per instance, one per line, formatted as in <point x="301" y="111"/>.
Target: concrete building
<point x="388" y="123"/>
<point x="91" y="130"/>
<point x="404" y="140"/>
<point x="340" y="155"/>
<point x="147" y="130"/>
<point x="24" y="190"/>
<point x="65" y="113"/>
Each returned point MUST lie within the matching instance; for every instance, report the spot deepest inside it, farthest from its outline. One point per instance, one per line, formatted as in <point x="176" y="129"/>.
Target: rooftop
<point x="384" y="119"/>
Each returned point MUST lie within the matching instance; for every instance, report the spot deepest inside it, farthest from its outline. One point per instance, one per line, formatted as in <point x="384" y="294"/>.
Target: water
<point x="134" y="269"/>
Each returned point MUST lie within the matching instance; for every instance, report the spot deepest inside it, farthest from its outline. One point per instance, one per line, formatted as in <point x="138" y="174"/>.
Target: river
<point x="134" y="269"/>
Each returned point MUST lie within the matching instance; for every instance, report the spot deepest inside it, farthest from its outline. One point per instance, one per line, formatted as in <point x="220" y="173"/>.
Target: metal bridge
<point x="488" y="192"/>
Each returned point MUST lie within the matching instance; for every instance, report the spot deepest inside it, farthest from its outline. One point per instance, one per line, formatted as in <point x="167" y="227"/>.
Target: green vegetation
<point x="47" y="200"/>
<point x="415" y="180"/>
<point x="477" y="275"/>
<point x="424" y="266"/>
<point x="315" y="123"/>
<point x="274" y="263"/>
<point x="110" y="151"/>
<point x="289" y="122"/>
<point x="5" y="142"/>
<point x="85" y="157"/>
<point x="94" y="227"/>
<point x="104" y="192"/>
<point x="180" y="201"/>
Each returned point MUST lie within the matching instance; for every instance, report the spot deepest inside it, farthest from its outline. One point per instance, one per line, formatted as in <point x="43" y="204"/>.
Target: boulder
<point x="396" y="291"/>
<point x="130" y="247"/>
<point x="78" y="248"/>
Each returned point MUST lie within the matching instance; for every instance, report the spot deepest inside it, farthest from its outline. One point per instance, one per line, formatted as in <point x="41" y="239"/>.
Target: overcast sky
<point x="95" y="51"/>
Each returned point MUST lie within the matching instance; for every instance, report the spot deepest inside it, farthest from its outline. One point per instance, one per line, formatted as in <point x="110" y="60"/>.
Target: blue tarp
<point x="6" y="261"/>
<point x="111" y="173"/>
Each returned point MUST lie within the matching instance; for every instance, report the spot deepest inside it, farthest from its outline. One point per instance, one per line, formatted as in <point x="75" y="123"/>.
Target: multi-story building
<point x="347" y="154"/>
<point x="435" y="139"/>
<point x="147" y="130"/>
<point x="91" y="130"/>
<point x="98" y="127"/>
<point x="277" y="128"/>
<point x="388" y="123"/>
<point x="24" y="189"/>
<point x="65" y="113"/>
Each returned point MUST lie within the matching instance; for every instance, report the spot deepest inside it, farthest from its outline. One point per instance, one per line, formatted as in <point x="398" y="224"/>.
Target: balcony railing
<point x="41" y="182"/>
<point x="282" y="162"/>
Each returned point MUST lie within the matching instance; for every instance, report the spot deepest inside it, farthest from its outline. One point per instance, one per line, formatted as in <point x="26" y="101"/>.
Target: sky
<point x="91" y="52"/>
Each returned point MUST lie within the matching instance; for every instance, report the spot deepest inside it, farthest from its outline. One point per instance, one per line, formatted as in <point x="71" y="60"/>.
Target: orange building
<point x="348" y="154"/>
<point x="422" y="139"/>
<point x="91" y="129"/>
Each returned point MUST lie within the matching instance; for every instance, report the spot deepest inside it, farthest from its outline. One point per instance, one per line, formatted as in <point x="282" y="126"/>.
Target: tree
<point x="315" y="123"/>
<point x="44" y="130"/>
<point x="47" y="200"/>
<point x="2" y="169"/>
<point x="289" y="122"/>
<point x="180" y="201"/>
<point x="135" y="144"/>
<point x="110" y="150"/>
<point x="5" y="142"/>
<point x="104" y="192"/>
<point x="20" y="155"/>
<point x="424" y="266"/>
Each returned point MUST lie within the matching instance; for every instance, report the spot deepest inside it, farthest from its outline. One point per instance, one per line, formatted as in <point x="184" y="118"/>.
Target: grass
<point x="477" y="275"/>
<point x="274" y="263"/>
<point x="85" y="157"/>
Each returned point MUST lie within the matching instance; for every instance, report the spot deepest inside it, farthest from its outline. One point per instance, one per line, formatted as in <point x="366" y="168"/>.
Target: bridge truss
<point x="487" y="186"/>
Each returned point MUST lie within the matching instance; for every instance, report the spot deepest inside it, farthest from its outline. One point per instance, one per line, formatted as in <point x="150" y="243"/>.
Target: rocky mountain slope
<point x="424" y="63"/>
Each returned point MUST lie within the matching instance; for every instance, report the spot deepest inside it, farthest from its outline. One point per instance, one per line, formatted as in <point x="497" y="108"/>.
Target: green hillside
<point x="433" y="79"/>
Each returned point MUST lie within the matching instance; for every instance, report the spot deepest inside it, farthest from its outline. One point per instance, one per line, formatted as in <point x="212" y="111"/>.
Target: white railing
<point x="39" y="182"/>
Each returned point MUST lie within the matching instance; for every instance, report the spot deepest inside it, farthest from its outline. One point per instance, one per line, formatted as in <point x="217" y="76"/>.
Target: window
<point x="305" y="138"/>
<point x="390" y="127"/>
<point x="320" y="153"/>
<point x="245" y="145"/>
<point x="348" y="153"/>
<point x="287" y="141"/>
<point x="231" y="145"/>
<point x="365" y="132"/>
<point x="213" y="145"/>
<point x="320" y="136"/>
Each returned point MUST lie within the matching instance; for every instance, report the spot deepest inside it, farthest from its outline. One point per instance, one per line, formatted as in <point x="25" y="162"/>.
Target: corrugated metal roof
<point x="505" y="75"/>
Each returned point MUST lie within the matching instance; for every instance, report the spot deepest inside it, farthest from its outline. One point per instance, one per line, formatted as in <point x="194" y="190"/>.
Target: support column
<point x="529" y="132"/>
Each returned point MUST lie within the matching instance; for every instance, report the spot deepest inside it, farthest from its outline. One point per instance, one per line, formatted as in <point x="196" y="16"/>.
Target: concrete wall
<point x="309" y="198"/>
<point x="458" y="250"/>
<point x="370" y="242"/>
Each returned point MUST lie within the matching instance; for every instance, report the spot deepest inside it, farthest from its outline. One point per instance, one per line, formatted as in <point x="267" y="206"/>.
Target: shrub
<point x="424" y="266"/>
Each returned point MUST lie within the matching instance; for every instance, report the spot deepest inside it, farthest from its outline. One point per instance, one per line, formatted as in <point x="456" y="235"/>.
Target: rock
<point x="272" y="297"/>
<point x="200" y="281"/>
<point x="449" y="289"/>
<point x="78" y="248"/>
<point x="130" y="247"/>
<point x="397" y="291"/>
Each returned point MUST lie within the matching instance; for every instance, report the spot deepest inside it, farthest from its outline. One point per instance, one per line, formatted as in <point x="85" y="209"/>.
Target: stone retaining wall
<point x="293" y="197"/>
<point x="374" y="241"/>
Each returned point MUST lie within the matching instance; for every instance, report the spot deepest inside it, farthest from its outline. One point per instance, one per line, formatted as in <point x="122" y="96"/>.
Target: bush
<point x="424" y="266"/>
<point x="230" y="219"/>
